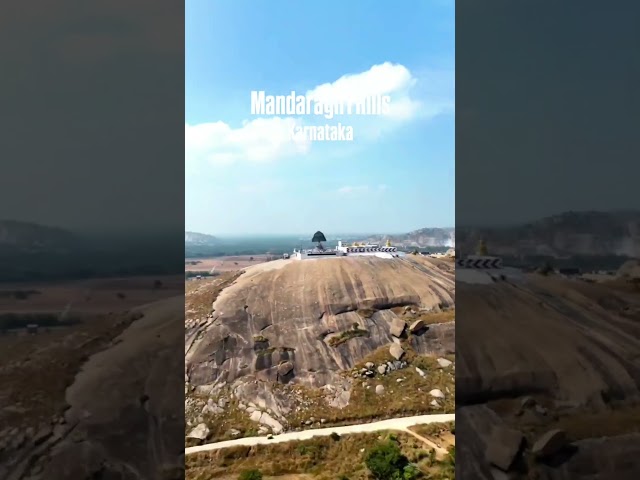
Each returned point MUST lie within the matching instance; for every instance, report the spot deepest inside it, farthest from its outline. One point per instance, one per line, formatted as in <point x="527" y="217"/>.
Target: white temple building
<point x="343" y="250"/>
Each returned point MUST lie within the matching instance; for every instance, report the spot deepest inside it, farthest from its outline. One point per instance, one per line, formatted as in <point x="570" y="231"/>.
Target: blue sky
<point x="244" y="177"/>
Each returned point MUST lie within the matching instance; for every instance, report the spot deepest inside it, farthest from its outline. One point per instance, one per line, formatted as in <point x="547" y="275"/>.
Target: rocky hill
<point x="194" y="238"/>
<point x="567" y="234"/>
<point x="424" y="237"/>
<point x="306" y="325"/>
<point x="24" y="237"/>
<point x="545" y="354"/>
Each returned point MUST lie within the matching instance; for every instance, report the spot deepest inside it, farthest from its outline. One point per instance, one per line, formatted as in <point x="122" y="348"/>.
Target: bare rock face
<point x="121" y="422"/>
<point x="303" y="314"/>
<point x="504" y="445"/>
<point x="555" y="343"/>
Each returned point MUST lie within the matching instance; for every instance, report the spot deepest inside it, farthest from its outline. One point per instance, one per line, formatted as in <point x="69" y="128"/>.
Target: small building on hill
<point x="343" y="250"/>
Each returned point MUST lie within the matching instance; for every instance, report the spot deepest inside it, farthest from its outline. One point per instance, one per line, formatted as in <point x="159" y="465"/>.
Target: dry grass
<point x="200" y="294"/>
<point x="429" y="318"/>
<point x="433" y="429"/>
<point x="603" y="424"/>
<point x="347" y="335"/>
<point x="224" y="264"/>
<point x="440" y="317"/>
<point x="441" y="434"/>
<point x="321" y="458"/>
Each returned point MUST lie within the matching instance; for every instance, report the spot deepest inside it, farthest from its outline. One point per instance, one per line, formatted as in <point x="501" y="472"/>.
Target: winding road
<point x="399" y="424"/>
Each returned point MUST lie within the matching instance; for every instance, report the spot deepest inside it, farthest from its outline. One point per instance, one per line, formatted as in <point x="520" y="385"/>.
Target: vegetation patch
<point x="265" y="351"/>
<point x="347" y="335"/>
<point x="355" y="457"/>
<point x="439" y="317"/>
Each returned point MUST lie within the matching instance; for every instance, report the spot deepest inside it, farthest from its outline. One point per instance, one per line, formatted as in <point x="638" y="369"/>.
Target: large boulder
<point x="397" y="327"/>
<point x="417" y="326"/>
<point x="503" y="447"/>
<point x="396" y="351"/>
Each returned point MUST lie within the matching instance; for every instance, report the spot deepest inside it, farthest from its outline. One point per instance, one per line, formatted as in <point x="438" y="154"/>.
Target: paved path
<point x="402" y="423"/>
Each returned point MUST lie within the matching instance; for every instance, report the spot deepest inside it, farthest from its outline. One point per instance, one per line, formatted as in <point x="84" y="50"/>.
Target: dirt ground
<point x="89" y="296"/>
<point x="225" y="264"/>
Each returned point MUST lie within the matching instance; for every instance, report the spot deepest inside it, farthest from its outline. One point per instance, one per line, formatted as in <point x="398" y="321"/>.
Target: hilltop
<point x="194" y="238"/>
<point x="199" y="245"/>
<point x="300" y="341"/>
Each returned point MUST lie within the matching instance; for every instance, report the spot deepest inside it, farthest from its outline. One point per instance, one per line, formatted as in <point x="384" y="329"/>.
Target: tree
<point x="318" y="238"/>
<point x="254" y="474"/>
<point x="385" y="461"/>
<point x="410" y="472"/>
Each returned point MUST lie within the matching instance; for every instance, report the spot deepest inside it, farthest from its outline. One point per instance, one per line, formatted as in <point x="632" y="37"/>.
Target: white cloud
<point x="268" y="139"/>
<point x="389" y="79"/>
<point x="259" y="140"/>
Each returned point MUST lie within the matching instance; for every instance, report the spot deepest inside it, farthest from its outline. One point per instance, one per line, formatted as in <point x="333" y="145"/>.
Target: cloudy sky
<point x="245" y="174"/>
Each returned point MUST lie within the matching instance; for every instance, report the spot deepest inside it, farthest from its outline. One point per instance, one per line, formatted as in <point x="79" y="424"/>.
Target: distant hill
<point x="32" y="252"/>
<point x="563" y="235"/>
<point x="422" y="238"/>
<point x="24" y="237"/>
<point x="194" y="238"/>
